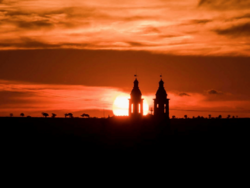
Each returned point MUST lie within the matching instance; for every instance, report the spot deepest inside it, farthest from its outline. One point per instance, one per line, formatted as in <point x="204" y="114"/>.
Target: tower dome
<point x="161" y="102"/>
<point x="161" y="92"/>
<point x="135" y="101"/>
<point x="136" y="92"/>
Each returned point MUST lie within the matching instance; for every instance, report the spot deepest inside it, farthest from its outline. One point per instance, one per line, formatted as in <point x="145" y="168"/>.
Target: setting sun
<point x="121" y="103"/>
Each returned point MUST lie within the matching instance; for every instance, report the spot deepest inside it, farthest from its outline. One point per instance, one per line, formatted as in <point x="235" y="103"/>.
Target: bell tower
<point x="161" y="102"/>
<point x="135" y="101"/>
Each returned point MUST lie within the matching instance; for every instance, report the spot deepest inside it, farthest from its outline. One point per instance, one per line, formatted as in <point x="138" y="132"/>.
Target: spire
<point x="136" y="91"/>
<point x="136" y="83"/>
<point x="161" y="102"/>
<point x="161" y="84"/>
<point x="135" y="101"/>
<point x="161" y="92"/>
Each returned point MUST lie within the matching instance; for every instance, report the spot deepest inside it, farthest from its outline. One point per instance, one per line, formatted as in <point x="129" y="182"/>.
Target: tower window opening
<point x="157" y="105"/>
<point x="139" y="108"/>
<point x="132" y="108"/>
<point x="165" y="108"/>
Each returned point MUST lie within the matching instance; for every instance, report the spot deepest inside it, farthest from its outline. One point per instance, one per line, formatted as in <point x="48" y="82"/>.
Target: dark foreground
<point x="122" y="134"/>
<point x="173" y="149"/>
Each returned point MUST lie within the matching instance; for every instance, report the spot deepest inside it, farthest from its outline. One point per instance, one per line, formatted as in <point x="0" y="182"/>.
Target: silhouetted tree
<point x="85" y="115"/>
<point x="185" y="116"/>
<point x="70" y="115"/>
<point x="173" y="117"/>
<point x="66" y="115"/>
<point x="53" y="115"/>
<point x="233" y="117"/>
<point x="11" y="115"/>
<point x="22" y="114"/>
<point x="228" y="117"/>
<point x="45" y="115"/>
<point x="219" y="117"/>
<point x="209" y="116"/>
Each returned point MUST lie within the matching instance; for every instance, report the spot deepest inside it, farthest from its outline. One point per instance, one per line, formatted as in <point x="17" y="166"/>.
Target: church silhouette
<point x="161" y="102"/>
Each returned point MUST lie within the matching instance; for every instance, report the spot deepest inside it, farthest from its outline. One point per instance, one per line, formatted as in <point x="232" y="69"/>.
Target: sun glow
<point x="120" y="105"/>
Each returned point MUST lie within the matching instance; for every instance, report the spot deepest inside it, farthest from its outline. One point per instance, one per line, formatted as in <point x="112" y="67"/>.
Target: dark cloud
<point x="140" y="44"/>
<point x="213" y="92"/>
<point x="138" y="18"/>
<point x="93" y="68"/>
<point x="196" y="22"/>
<point x="84" y="17"/>
<point x="16" y="13"/>
<point x="183" y="94"/>
<point x="243" y="16"/>
<point x="4" y="2"/>
<point x="235" y="31"/>
<point x="26" y="42"/>
<point x="150" y="30"/>
<point x="77" y="12"/>
<point x="9" y="2"/>
<point x="34" y="24"/>
<point x="21" y="20"/>
<point x="170" y="36"/>
<point x="13" y="97"/>
<point x="225" y="4"/>
<point x="202" y="21"/>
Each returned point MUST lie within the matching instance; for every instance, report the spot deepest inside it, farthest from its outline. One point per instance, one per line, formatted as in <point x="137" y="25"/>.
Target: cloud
<point x="34" y="24"/>
<point x="236" y="31"/>
<point x="32" y="99"/>
<point x="24" y="96"/>
<point x="243" y="16"/>
<point x="201" y="21"/>
<point x="214" y="92"/>
<point x="148" y="30"/>
<point x="14" y="97"/>
<point x="183" y="94"/>
<point x="195" y="22"/>
<point x="173" y="27"/>
<point x="26" y="42"/>
<point x="225" y="4"/>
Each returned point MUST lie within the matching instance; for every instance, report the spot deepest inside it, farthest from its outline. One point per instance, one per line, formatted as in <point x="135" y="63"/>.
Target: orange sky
<point x="53" y="54"/>
<point x="189" y="27"/>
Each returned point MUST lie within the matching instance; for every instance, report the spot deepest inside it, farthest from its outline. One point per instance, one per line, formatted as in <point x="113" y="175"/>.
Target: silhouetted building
<point x="135" y="101"/>
<point x="161" y="102"/>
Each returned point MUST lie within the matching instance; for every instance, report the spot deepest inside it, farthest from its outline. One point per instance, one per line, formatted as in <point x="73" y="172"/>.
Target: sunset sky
<point x="77" y="56"/>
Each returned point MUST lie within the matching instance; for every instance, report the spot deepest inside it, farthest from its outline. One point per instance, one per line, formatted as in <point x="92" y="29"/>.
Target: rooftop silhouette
<point x="161" y="102"/>
<point x="135" y="101"/>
